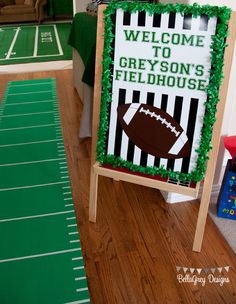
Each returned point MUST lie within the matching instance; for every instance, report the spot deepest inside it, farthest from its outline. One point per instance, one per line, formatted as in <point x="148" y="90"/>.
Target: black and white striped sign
<point x="162" y="60"/>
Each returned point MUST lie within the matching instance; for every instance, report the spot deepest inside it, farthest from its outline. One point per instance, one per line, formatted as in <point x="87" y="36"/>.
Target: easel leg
<point x="93" y="196"/>
<point x="202" y="215"/>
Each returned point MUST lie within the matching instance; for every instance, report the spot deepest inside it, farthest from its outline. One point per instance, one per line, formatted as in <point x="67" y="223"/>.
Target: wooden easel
<point x="97" y="170"/>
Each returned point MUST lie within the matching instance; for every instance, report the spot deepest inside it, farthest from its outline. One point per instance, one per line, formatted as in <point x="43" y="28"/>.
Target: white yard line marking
<point x="75" y="241"/>
<point x="35" y="216"/>
<point x="30" y="143"/>
<point x="71" y="233"/>
<point x="22" y="26"/>
<point x="69" y="205"/>
<point x="28" y="102"/>
<point x="28" y="84"/>
<point x="31" y="162"/>
<point x="78" y="258"/>
<point x="72" y="225"/>
<point x="58" y="40"/>
<point x="8" y="27"/>
<point x="36" y="41"/>
<point x="82" y="289"/>
<point x="79" y="302"/>
<point x="29" y="127"/>
<point x="39" y="255"/>
<point x="39" y="56"/>
<point x="80" y="278"/>
<point x="68" y="199"/>
<point x="28" y="114"/>
<point x="12" y="44"/>
<point x="34" y="186"/>
<point x="26" y="93"/>
<point x="70" y="218"/>
<point x="78" y="268"/>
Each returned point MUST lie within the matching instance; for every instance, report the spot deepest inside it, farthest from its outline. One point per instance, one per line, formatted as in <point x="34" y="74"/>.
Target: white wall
<point x="80" y="5"/>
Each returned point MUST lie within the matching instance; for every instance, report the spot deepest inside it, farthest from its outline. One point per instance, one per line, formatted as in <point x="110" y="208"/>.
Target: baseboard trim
<point x="173" y="198"/>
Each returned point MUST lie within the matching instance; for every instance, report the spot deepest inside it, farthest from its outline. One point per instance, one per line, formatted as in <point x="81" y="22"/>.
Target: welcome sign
<point x="162" y="70"/>
<point x="165" y="61"/>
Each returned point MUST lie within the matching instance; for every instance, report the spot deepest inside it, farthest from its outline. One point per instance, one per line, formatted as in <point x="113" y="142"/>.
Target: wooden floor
<point x="131" y="253"/>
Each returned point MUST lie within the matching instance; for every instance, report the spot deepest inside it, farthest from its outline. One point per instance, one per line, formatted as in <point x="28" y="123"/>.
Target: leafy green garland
<point x="216" y="75"/>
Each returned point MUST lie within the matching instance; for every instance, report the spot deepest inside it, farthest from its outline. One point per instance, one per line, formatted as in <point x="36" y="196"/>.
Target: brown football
<point x="153" y="130"/>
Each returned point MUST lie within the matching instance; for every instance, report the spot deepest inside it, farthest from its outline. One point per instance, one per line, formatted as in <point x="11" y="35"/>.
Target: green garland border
<point x="215" y="80"/>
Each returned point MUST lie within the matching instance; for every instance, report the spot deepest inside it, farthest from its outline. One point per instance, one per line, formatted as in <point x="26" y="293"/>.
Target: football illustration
<point x="153" y="131"/>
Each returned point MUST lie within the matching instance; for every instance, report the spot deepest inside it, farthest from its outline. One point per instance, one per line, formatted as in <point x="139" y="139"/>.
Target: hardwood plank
<point x="132" y="251"/>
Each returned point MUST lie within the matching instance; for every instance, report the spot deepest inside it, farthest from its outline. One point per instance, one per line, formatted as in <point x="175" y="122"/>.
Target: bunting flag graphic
<point x="213" y="270"/>
<point x="192" y="270"/>
<point x="226" y="268"/>
<point x="178" y="268"/>
<point x="199" y="270"/>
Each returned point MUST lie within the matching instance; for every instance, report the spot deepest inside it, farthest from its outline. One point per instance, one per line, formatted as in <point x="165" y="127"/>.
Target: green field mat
<point x="41" y="258"/>
<point x="34" y="43"/>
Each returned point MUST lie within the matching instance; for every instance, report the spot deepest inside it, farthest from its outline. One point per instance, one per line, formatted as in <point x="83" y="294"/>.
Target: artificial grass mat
<point x="40" y="253"/>
<point x="34" y="43"/>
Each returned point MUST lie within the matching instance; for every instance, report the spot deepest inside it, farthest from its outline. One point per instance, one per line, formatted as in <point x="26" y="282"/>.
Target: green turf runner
<point x="40" y="254"/>
<point x="34" y="43"/>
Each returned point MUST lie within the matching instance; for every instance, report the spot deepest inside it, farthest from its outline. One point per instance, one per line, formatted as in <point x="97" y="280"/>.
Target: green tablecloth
<point x="60" y="7"/>
<point x="83" y="39"/>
